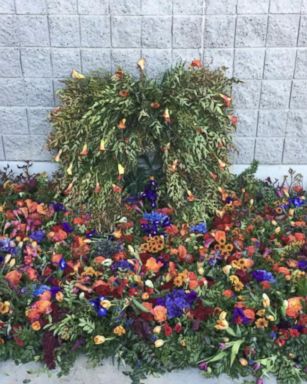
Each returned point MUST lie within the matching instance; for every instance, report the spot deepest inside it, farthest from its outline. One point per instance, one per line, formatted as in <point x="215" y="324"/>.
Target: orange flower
<point x="13" y="278"/>
<point x="299" y="236"/>
<point x="124" y="93"/>
<point x="294" y="307"/>
<point x="249" y="313"/>
<point x="122" y="124"/>
<point x="227" y="100"/>
<point x="152" y="265"/>
<point x="228" y="293"/>
<point x="220" y="237"/>
<point x="155" y="105"/>
<point x="285" y="271"/>
<point x="159" y="312"/>
<point x="196" y="63"/>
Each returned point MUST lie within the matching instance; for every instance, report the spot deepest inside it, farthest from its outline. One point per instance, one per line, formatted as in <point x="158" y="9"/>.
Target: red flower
<point x="167" y="329"/>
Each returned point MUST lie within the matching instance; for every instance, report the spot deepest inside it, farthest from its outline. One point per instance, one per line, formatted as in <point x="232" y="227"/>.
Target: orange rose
<point x="13" y="278"/>
<point x="159" y="312"/>
<point x="294" y="307"/>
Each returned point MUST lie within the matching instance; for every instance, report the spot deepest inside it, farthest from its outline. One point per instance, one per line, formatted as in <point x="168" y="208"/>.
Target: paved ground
<point x="82" y="373"/>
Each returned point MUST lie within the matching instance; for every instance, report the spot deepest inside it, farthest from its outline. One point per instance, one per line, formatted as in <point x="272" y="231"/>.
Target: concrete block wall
<point x="262" y="42"/>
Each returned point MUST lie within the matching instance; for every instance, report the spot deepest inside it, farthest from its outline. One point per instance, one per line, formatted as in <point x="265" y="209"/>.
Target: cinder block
<point x="61" y="7"/>
<point x="187" y="31"/>
<point x="32" y="31"/>
<point x="279" y="63"/>
<point x="57" y="86"/>
<point x="93" y="7"/>
<point x="249" y="63"/>
<point x="185" y="55"/>
<point x="38" y="121"/>
<point x="269" y="151"/>
<point x="64" y="31"/>
<point x="12" y="92"/>
<point x="251" y="31"/>
<point x="157" y="7"/>
<point x="39" y="92"/>
<point x="275" y="94"/>
<point x="8" y="31"/>
<point x="285" y="6"/>
<point x="9" y="62"/>
<point x="272" y="123"/>
<point x="7" y="6"/>
<point x="26" y="148"/>
<point x="302" y="40"/>
<point x="96" y="59"/>
<point x="301" y="64"/>
<point x="247" y="95"/>
<point x="36" y="62"/>
<point x="247" y="122"/>
<point x="156" y="32"/>
<point x="304" y="6"/>
<point x="217" y="58"/>
<point x="2" y="156"/>
<point x="253" y="7"/>
<point x="297" y="123"/>
<point x="295" y="150"/>
<point x="191" y="7"/>
<point x="64" y="60"/>
<point x="299" y="94"/>
<point x="221" y="7"/>
<point x="126" y="31"/>
<point x="282" y="30"/>
<point x="95" y="31"/>
<point x="13" y="121"/>
<point x="125" y="7"/>
<point x="126" y="59"/>
<point x="219" y="31"/>
<point x="157" y="61"/>
<point x="30" y="7"/>
<point x="243" y="152"/>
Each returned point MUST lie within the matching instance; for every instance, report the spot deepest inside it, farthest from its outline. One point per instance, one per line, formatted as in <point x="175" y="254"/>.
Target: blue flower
<point x="67" y="227"/>
<point x="302" y="264"/>
<point x="38" y="235"/>
<point x="296" y="201"/>
<point x="199" y="228"/>
<point x="263" y="275"/>
<point x="40" y="290"/>
<point x="58" y="207"/>
<point x="177" y="302"/>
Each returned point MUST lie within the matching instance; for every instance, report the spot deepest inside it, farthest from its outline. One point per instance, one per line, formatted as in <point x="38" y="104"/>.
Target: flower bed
<point x="226" y="296"/>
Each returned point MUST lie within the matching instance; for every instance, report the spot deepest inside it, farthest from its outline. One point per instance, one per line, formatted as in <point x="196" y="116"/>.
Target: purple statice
<point x="58" y="207"/>
<point x="122" y="265"/>
<point x="150" y="193"/>
<point x="67" y="227"/>
<point x="263" y="275"/>
<point x="302" y="265"/>
<point x="177" y="302"/>
<point x="199" y="228"/>
<point x="38" y="235"/>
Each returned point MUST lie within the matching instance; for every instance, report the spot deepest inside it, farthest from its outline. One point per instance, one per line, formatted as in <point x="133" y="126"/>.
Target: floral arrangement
<point x="112" y="131"/>
<point x="227" y="296"/>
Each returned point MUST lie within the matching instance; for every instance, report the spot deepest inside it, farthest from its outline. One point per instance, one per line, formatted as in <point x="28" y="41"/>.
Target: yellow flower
<point x="105" y="304"/>
<point x="159" y="343"/>
<point x="99" y="339"/>
<point x="183" y="343"/>
<point x="227" y="269"/>
<point x="222" y="324"/>
<point x="178" y="281"/>
<point x="243" y="362"/>
<point x="36" y="326"/>
<point x="261" y="312"/>
<point x="5" y="307"/>
<point x="119" y="330"/>
<point x="265" y="300"/>
<point x="261" y="323"/>
<point x="59" y="296"/>
<point x="238" y="286"/>
<point x="234" y="279"/>
<point x="157" y="329"/>
<point x="270" y="318"/>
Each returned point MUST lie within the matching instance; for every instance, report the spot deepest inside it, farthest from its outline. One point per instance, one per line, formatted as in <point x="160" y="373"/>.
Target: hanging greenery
<point x="112" y="132"/>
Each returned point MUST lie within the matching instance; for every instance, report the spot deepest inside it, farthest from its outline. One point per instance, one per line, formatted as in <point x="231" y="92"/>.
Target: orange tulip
<point x="13" y="278"/>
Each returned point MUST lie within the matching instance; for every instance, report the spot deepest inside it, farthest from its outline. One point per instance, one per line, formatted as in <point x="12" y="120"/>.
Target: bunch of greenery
<point x="112" y="132"/>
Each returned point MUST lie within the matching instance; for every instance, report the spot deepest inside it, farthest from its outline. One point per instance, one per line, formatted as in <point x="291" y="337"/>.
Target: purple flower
<point x="38" y="236"/>
<point x="302" y="264"/>
<point x="67" y="227"/>
<point x="58" y="207"/>
<point x="203" y="366"/>
<point x="177" y="302"/>
<point x="263" y="275"/>
<point x="199" y="228"/>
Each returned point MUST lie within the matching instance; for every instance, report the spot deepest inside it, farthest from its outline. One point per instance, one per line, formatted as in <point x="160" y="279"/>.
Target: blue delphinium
<point x="38" y="235"/>
<point x="177" y="302"/>
<point x="199" y="228"/>
<point x="154" y="222"/>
